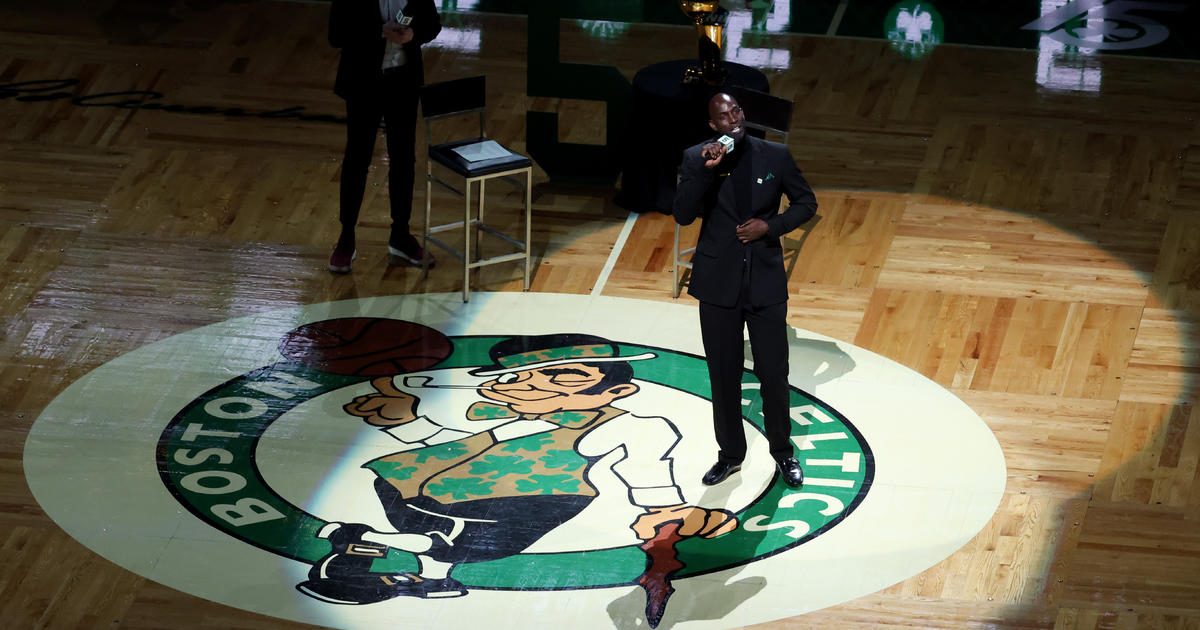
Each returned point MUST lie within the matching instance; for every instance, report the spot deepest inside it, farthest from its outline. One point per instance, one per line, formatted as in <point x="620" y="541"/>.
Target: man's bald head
<point x="725" y="116"/>
<point x="718" y="101"/>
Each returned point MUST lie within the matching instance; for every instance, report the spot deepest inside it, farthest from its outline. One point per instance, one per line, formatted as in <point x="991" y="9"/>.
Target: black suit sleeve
<point x="802" y="202"/>
<point x="694" y="181"/>
<point x="426" y="23"/>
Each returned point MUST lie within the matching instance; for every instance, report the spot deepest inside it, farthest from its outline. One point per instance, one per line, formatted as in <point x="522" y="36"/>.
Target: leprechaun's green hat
<point x="530" y="352"/>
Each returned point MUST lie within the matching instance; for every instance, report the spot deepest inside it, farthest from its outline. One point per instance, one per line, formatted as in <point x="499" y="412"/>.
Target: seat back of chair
<point x="764" y="112"/>
<point x="455" y="97"/>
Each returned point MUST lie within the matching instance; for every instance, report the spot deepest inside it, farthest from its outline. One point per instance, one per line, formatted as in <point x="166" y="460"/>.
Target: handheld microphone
<point x="394" y="56"/>
<point x="726" y="142"/>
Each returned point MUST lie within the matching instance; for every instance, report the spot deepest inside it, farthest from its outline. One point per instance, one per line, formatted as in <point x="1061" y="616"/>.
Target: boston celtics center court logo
<point x="497" y="443"/>
<point x="524" y="459"/>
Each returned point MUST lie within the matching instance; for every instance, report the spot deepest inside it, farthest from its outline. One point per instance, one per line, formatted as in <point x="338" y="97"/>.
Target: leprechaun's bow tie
<point x="490" y="411"/>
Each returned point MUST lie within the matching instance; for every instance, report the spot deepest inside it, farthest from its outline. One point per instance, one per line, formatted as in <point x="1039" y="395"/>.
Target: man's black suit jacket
<point x="718" y="263"/>
<point x="355" y="26"/>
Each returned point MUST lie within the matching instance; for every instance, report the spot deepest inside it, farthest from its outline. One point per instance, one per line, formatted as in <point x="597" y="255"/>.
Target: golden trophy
<point x="709" y="18"/>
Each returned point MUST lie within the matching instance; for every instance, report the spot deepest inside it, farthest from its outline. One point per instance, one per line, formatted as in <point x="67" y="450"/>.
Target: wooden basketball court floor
<point x="1033" y="248"/>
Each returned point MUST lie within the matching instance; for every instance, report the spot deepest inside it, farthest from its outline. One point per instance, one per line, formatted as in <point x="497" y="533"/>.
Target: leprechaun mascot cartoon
<point x="457" y="496"/>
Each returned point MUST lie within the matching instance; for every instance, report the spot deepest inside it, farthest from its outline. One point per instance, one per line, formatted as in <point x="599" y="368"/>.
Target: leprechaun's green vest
<point x="479" y="467"/>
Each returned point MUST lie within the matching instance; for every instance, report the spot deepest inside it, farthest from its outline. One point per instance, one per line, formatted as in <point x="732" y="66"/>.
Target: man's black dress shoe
<point x="719" y="472"/>
<point x="790" y="470"/>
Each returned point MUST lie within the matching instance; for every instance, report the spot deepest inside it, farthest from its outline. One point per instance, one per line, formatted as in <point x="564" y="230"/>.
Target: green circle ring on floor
<point x="782" y="517"/>
<point x="223" y="462"/>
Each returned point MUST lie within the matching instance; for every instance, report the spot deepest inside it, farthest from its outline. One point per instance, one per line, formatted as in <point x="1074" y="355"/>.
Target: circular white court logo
<point x="413" y="458"/>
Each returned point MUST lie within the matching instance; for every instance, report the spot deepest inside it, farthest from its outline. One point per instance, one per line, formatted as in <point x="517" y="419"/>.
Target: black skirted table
<point x="667" y="116"/>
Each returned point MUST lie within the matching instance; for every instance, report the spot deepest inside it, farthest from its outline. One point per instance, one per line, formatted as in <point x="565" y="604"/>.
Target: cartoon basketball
<point x="365" y="346"/>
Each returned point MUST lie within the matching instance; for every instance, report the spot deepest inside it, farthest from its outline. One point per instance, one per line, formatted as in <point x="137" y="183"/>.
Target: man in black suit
<point x="379" y="76"/>
<point x="739" y="278"/>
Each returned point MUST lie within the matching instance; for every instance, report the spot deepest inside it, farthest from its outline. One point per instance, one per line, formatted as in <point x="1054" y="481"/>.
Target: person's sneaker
<point x="407" y="249"/>
<point x="342" y="259"/>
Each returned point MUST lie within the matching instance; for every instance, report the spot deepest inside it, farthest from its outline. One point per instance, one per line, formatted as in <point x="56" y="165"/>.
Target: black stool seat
<point x="444" y="154"/>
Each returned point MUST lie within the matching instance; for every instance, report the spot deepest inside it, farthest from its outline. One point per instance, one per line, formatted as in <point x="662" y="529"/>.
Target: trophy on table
<point x="709" y="18"/>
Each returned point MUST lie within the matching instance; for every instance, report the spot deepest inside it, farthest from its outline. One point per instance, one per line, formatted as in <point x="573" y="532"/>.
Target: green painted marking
<point x="460" y="488"/>
<point x="501" y="466"/>
<point x="548" y="76"/>
<point x="547" y="484"/>
<point x="567" y="417"/>
<point x="567" y="460"/>
<point x="533" y="443"/>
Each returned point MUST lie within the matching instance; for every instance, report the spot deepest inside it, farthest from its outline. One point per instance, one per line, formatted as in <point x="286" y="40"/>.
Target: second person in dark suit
<point x="379" y="75"/>
<point x="739" y="277"/>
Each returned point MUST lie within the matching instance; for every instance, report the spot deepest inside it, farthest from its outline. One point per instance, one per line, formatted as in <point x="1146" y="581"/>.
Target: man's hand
<point x="387" y="407"/>
<point x="712" y="153"/>
<point x="696" y="521"/>
<point x="751" y="230"/>
<point x="397" y="34"/>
